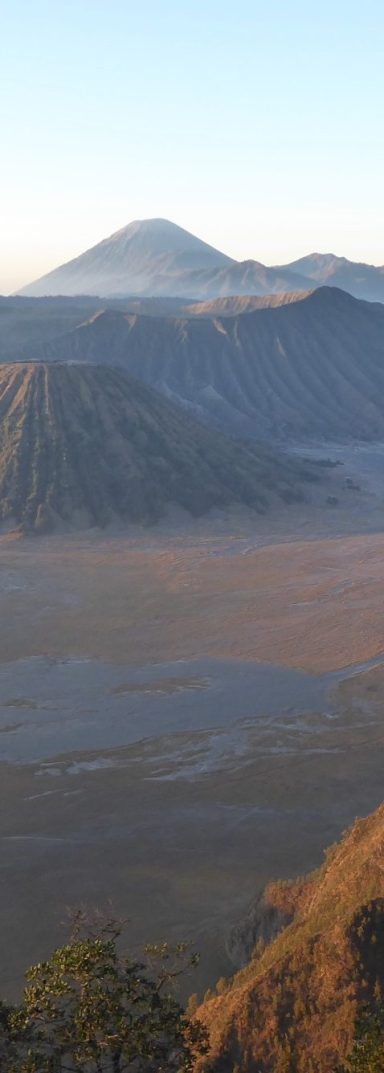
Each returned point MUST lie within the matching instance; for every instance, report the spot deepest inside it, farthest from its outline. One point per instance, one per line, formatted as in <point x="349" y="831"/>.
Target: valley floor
<point x="185" y="713"/>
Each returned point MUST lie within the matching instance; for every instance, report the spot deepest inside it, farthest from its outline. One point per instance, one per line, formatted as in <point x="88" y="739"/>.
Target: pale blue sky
<point x="257" y="125"/>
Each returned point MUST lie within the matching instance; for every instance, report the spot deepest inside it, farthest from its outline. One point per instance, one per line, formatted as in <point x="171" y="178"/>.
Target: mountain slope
<point x="85" y="445"/>
<point x="146" y="257"/>
<point x="309" y="369"/>
<point x="293" y="1007"/>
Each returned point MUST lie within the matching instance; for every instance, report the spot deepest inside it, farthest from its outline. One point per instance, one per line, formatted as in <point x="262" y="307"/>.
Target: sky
<point x="256" y="125"/>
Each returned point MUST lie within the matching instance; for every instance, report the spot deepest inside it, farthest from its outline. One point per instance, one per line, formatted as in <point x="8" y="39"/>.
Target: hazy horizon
<point x="255" y="129"/>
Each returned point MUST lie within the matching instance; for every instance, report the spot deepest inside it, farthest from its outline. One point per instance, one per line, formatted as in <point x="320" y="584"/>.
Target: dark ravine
<point x="261" y="924"/>
<point x="86" y="445"/>
<point x="305" y="370"/>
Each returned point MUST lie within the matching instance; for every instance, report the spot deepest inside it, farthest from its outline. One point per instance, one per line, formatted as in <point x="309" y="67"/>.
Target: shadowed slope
<point x="308" y="369"/>
<point x="30" y="321"/>
<point x="85" y="444"/>
<point x="27" y="322"/>
<point x="293" y="1007"/>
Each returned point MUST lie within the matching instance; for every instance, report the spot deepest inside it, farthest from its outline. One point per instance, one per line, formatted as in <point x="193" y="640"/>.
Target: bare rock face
<point x="86" y="445"/>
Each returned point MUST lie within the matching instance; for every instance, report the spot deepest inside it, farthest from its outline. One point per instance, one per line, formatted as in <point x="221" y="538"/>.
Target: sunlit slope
<point x="293" y="1007"/>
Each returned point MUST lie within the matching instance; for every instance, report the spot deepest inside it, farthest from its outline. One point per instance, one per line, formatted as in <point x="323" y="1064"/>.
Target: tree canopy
<point x="88" y="1009"/>
<point x="367" y="1054"/>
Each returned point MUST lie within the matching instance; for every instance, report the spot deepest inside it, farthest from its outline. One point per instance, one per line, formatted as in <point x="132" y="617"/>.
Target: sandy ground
<point x="177" y="789"/>
<point x="313" y="604"/>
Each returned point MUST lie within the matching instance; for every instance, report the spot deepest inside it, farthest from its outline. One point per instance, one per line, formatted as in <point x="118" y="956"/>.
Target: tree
<point x="89" y="1010"/>
<point x="367" y="1055"/>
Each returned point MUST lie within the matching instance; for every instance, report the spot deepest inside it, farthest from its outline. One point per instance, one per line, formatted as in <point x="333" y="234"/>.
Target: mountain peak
<point x="144" y="257"/>
<point x="158" y="227"/>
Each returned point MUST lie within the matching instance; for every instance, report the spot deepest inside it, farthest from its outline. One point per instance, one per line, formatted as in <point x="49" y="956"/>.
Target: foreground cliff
<point x="293" y="1008"/>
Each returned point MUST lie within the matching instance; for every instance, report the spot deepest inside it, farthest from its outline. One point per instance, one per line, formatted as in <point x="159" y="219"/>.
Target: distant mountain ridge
<point x="359" y="279"/>
<point x="26" y="322"/>
<point x="307" y="369"/>
<point x="157" y="258"/>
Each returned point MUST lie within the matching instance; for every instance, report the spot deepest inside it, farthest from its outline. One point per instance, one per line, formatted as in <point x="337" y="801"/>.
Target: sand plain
<point x="184" y="713"/>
